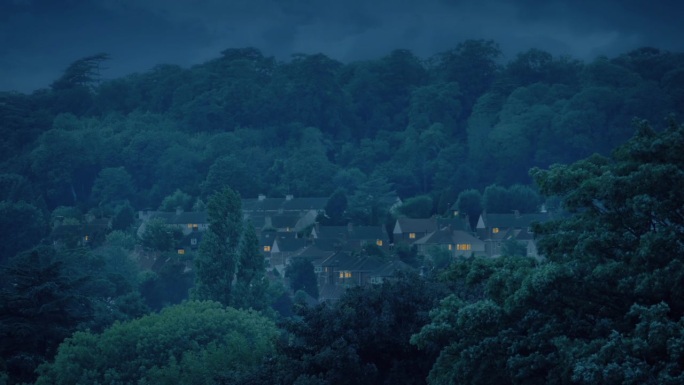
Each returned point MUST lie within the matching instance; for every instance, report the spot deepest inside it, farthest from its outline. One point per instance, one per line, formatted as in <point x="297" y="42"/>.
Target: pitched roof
<point x="288" y="245"/>
<point x="415" y="225"/>
<point x="514" y="220"/>
<point x="368" y="232"/>
<point x="446" y="236"/>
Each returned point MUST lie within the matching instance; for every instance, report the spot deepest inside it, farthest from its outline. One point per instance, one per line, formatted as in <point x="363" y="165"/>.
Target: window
<point x="463" y="246"/>
<point x="450" y="247"/>
<point x="181" y="251"/>
<point x="345" y="274"/>
<point x="318" y="269"/>
<point x="189" y="225"/>
<point x="195" y="226"/>
<point x="378" y="242"/>
<point x="85" y="238"/>
<point x="412" y="235"/>
<point x="495" y="230"/>
<point x="267" y="248"/>
<point x="193" y="241"/>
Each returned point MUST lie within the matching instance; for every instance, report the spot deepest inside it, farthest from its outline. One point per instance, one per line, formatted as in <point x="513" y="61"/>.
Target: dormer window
<point x="181" y="251"/>
<point x="378" y="242"/>
<point x="412" y="235"/>
<point x="267" y="248"/>
<point x="495" y="230"/>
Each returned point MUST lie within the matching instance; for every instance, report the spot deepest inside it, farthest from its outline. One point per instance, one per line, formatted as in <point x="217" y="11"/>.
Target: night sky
<point x="39" y="38"/>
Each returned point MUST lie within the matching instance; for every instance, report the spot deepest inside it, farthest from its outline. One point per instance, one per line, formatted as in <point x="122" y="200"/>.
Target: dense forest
<point x="598" y="141"/>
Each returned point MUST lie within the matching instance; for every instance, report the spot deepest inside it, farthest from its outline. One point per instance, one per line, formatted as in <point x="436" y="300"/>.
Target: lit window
<point x="378" y="242"/>
<point x="267" y="248"/>
<point x="345" y="274"/>
<point x="450" y="246"/>
<point x="181" y="251"/>
<point x="463" y="246"/>
<point x="495" y="230"/>
<point x="189" y="225"/>
<point x="85" y="238"/>
<point x="412" y="235"/>
<point x="455" y="213"/>
<point x="195" y="226"/>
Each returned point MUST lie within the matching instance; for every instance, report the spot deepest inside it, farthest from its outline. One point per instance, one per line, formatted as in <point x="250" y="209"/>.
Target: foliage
<point x="360" y="339"/>
<point x="158" y="236"/>
<point x="195" y="342"/>
<point x="177" y="200"/>
<point x="300" y="272"/>
<point x="251" y="285"/>
<point x="417" y="207"/>
<point x="469" y="204"/>
<point x="40" y="305"/>
<point x="217" y="261"/>
<point x="24" y="226"/>
<point x="601" y="307"/>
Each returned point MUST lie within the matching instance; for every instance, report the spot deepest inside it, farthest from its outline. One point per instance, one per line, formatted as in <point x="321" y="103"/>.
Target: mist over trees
<point x="88" y="296"/>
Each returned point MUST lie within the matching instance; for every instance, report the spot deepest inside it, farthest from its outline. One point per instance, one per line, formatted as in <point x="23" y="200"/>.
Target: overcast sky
<point x="39" y="38"/>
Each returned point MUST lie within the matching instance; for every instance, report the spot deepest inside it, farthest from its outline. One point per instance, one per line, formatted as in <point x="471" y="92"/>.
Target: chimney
<point x="350" y="227"/>
<point x="517" y="213"/>
<point x="289" y="197"/>
<point x="261" y="197"/>
<point x="179" y="210"/>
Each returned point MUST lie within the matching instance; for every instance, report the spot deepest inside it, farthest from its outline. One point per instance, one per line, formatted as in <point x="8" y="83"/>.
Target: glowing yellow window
<point x="463" y="246"/>
<point x="189" y="225"/>
<point x="412" y="235"/>
<point x="195" y="226"/>
<point x="495" y="230"/>
<point x="345" y="274"/>
<point x="181" y="251"/>
<point x="85" y="238"/>
<point x="378" y="242"/>
<point x="267" y="248"/>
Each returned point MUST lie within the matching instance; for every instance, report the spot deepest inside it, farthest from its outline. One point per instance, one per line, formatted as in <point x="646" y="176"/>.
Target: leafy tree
<point x="158" y="236"/>
<point x="217" y="261"/>
<point x="231" y="171"/>
<point x="300" y="272"/>
<point x="495" y="199"/>
<point x="24" y="225"/>
<point x="113" y="185"/>
<point x="60" y="161"/>
<point x="124" y="217"/>
<point x="335" y="209"/>
<point x="15" y="188"/>
<point x="83" y="72"/>
<point x="370" y="202"/>
<point x="607" y="285"/>
<point x="360" y="339"/>
<point x="251" y="285"/>
<point x="178" y="199"/>
<point x="195" y="342"/>
<point x="469" y="203"/>
<point x="473" y="64"/>
<point x="417" y="207"/>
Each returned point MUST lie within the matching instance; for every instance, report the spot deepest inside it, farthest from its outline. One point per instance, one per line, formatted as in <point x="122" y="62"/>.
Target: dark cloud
<point x="39" y="38"/>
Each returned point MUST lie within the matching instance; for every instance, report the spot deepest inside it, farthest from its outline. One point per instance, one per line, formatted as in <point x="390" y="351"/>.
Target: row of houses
<point x="343" y="256"/>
